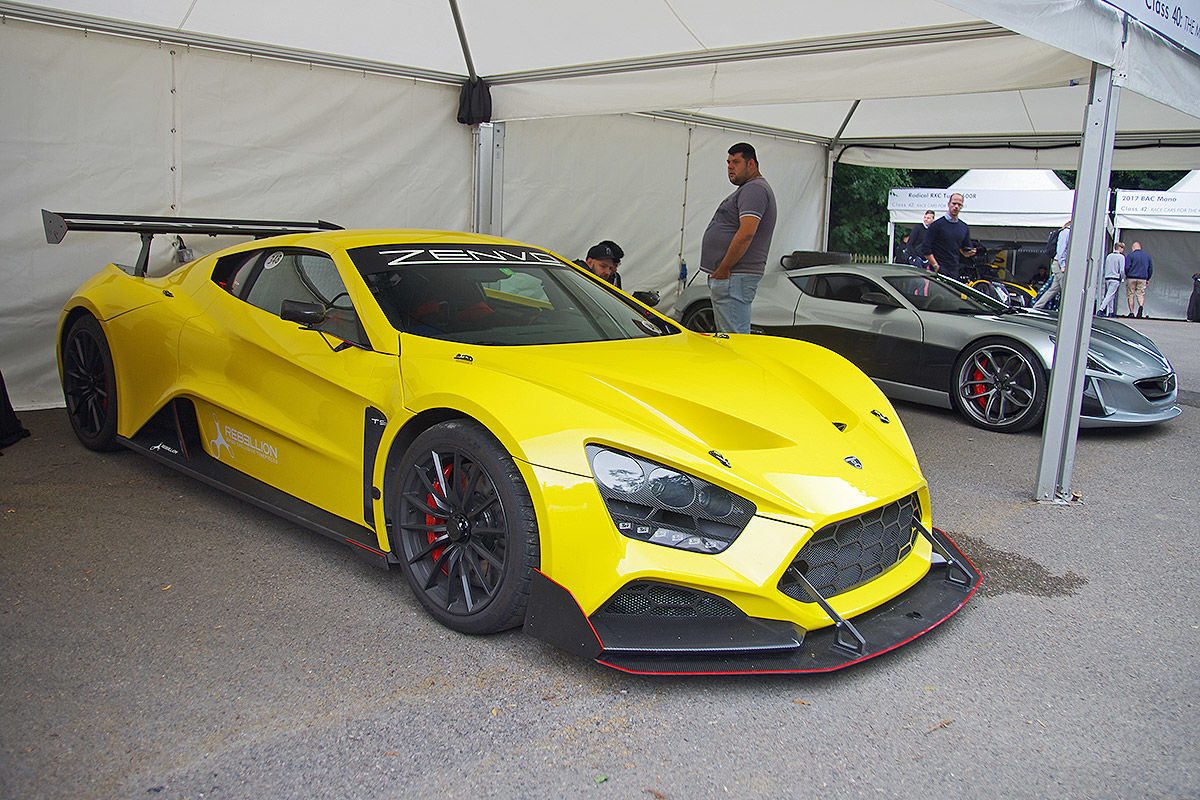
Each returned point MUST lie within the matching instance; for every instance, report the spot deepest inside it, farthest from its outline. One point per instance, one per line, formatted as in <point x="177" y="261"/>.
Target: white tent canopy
<point x="1005" y="81"/>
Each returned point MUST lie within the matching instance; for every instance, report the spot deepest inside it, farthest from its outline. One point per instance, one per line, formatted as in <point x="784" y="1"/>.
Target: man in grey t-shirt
<point x="735" y="245"/>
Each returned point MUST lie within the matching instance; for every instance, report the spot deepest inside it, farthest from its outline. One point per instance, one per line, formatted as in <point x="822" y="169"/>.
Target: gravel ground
<point x="161" y="639"/>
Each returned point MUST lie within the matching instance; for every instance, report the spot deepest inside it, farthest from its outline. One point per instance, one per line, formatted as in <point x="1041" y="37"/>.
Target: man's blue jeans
<point x="731" y="300"/>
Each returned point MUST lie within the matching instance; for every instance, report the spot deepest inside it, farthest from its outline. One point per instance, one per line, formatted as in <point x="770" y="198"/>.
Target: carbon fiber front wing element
<point x="746" y="645"/>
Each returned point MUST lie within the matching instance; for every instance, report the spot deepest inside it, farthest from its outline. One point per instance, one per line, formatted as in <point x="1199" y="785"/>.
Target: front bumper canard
<point x="743" y="645"/>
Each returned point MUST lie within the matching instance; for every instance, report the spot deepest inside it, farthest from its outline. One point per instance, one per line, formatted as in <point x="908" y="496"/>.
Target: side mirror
<point x="307" y="314"/>
<point x="880" y="299"/>
<point x="649" y="298"/>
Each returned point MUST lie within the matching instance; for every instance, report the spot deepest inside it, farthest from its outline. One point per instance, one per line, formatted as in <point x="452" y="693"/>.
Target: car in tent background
<point x="929" y="339"/>
<point x="525" y="443"/>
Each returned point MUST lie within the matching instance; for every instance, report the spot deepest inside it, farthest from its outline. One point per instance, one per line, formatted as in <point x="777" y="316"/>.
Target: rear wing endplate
<point x="57" y="225"/>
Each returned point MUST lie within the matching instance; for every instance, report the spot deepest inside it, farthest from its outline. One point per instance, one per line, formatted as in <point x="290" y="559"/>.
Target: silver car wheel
<point x="999" y="387"/>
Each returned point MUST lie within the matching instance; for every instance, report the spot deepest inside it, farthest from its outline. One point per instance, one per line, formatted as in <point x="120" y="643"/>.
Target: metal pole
<point x="481" y="216"/>
<point x="891" y="241"/>
<point x="1086" y="250"/>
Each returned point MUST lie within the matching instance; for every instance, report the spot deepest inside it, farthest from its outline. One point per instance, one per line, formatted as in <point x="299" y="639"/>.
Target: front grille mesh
<point x="1156" y="388"/>
<point x="849" y="553"/>
<point x="649" y="599"/>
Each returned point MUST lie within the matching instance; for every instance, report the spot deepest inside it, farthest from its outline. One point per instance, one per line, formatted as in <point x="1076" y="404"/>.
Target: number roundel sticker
<point x="273" y="260"/>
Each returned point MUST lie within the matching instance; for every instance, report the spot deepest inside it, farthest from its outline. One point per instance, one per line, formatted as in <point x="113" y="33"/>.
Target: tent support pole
<point x="891" y="242"/>
<point x="830" y="163"/>
<point x="1085" y="252"/>
<point x="488" y="202"/>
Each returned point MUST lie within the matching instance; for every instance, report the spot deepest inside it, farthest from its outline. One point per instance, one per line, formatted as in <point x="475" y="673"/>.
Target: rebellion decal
<point x="229" y="437"/>
<point x="166" y="447"/>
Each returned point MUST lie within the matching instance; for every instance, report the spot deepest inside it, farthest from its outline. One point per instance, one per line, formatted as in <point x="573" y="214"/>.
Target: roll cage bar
<point x="57" y="225"/>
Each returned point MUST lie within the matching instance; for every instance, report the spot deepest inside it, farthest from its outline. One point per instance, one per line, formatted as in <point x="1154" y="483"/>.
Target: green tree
<point x="858" y="207"/>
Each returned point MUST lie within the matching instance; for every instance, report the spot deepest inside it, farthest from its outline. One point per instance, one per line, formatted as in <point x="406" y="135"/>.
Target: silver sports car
<point x="929" y="339"/>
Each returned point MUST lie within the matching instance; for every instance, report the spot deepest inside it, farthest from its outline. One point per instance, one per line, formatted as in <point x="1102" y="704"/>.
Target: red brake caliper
<point x="432" y="520"/>
<point x="978" y="390"/>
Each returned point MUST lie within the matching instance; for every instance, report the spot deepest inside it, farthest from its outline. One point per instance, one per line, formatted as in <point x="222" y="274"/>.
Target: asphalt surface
<point x="160" y="639"/>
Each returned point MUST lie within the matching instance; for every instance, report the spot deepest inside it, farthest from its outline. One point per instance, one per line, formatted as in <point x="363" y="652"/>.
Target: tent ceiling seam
<point x="1140" y="138"/>
<point x="686" y="27"/>
<point x="154" y="33"/>
<point x="731" y="125"/>
<point x="187" y="15"/>
<point x="941" y="34"/>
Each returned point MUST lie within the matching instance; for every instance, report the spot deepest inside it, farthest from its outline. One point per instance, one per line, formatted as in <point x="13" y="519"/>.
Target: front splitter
<point x="770" y="646"/>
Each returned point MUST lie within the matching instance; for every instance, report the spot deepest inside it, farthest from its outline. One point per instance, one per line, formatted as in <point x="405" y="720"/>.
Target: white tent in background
<point x="1188" y="183"/>
<point x="1018" y="204"/>
<point x="1167" y="224"/>
<point x="1023" y="179"/>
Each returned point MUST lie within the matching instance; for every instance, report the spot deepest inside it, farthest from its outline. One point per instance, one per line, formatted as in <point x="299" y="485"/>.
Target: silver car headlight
<point x="657" y="504"/>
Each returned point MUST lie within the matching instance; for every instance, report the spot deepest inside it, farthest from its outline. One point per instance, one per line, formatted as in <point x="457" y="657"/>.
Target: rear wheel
<point x="463" y="524"/>
<point x="699" y="317"/>
<point x="999" y="385"/>
<point x="90" y="384"/>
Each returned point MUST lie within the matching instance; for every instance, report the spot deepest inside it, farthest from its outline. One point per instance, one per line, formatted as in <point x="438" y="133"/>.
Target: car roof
<point x="867" y="270"/>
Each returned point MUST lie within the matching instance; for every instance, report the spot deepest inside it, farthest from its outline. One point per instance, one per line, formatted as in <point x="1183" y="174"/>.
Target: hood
<point x="1113" y="344"/>
<point x="789" y="417"/>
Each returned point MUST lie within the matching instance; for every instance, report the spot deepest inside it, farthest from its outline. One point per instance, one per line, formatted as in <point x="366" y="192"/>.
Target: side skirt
<point x="172" y="437"/>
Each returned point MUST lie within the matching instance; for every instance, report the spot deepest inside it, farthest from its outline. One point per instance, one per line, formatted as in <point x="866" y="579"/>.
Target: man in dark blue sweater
<point x="947" y="239"/>
<point x="1138" y="271"/>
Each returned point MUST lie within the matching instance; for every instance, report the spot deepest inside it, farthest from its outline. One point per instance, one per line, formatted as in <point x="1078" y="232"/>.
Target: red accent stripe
<point x="368" y="548"/>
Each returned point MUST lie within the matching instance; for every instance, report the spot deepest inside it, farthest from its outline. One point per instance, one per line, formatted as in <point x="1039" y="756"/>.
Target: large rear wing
<point x="57" y="225"/>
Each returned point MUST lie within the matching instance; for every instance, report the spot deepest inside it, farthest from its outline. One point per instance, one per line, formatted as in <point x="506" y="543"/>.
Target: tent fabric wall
<point x="569" y="183"/>
<point x="88" y="128"/>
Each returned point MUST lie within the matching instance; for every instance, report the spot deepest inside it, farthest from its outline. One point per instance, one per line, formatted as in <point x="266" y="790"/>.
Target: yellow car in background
<point x="528" y="445"/>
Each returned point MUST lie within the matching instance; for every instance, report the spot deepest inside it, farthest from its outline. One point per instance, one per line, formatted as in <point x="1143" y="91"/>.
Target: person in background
<point x="1114" y="273"/>
<point x="1138" y="271"/>
<point x="1039" y="278"/>
<point x="917" y="235"/>
<point x="947" y="240"/>
<point x="1058" y="267"/>
<point x="603" y="259"/>
<point x="734" y="249"/>
<point x="11" y="429"/>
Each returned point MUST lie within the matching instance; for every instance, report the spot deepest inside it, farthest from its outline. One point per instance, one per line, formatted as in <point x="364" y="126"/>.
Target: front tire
<point x="90" y="384"/>
<point x="700" y="318"/>
<point x="463" y="524"/>
<point x="999" y="385"/>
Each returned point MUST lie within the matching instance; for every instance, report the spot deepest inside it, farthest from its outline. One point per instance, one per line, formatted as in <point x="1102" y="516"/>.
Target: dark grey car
<point x="932" y="340"/>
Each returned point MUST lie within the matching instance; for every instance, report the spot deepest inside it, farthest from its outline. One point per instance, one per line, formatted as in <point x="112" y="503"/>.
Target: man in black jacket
<point x="915" y="237"/>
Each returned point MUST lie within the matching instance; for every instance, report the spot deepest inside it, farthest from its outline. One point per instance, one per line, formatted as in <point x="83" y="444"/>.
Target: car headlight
<point x="657" y="504"/>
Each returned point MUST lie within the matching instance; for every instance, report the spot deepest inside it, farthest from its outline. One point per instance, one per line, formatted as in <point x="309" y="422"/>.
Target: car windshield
<point x="497" y="295"/>
<point x="933" y="292"/>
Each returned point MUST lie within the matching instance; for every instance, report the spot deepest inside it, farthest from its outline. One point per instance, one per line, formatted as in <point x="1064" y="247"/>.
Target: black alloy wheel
<point x="699" y="317"/>
<point x="464" y="527"/>
<point x="90" y="384"/>
<point x="999" y="385"/>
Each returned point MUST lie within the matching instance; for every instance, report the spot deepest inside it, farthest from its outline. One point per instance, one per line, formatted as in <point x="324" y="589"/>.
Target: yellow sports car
<point x="526" y="443"/>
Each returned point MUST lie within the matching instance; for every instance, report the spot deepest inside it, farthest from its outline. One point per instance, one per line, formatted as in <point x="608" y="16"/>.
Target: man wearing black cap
<point x="603" y="260"/>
